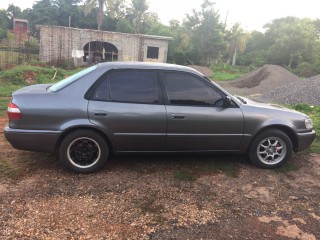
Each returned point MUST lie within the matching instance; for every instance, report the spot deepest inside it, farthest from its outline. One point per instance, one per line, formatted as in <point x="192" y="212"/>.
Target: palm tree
<point x="89" y="5"/>
<point x="238" y="41"/>
<point x="139" y="10"/>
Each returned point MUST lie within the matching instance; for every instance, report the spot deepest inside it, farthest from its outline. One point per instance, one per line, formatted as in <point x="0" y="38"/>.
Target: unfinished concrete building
<point x="86" y="46"/>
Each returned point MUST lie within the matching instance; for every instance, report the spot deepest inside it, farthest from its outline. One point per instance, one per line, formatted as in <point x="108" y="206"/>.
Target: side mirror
<point x="227" y="102"/>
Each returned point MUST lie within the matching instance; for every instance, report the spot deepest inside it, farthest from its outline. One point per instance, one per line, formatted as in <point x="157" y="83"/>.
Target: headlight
<point x="308" y="122"/>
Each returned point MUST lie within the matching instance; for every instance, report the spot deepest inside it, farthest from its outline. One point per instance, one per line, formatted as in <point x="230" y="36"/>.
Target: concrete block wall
<point x="59" y="42"/>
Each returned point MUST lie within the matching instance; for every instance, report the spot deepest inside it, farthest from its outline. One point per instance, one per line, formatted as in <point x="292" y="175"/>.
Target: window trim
<point x="165" y="93"/>
<point x="105" y="77"/>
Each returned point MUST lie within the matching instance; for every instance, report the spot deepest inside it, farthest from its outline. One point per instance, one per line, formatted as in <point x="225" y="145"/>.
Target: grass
<point x="8" y="170"/>
<point x="149" y="205"/>
<point x="184" y="175"/>
<point x="288" y="167"/>
<point x="14" y="165"/>
<point x="15" y="78"/>
<point x="314" y="113"/>
<point x="190" y="170"/>
<point x="3" y="105"/>
<point x="227" y="72"/>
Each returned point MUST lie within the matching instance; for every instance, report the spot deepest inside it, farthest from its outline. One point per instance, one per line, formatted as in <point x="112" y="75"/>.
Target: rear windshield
<point x="67" y="81"/>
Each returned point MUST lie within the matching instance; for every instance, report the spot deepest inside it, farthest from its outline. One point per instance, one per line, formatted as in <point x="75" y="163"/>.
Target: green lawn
<point x="227" y="72"/>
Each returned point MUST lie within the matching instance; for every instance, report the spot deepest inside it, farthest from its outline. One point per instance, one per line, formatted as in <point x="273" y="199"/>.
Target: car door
<point x="128" y="106"/>
<point x="197" y="120"/>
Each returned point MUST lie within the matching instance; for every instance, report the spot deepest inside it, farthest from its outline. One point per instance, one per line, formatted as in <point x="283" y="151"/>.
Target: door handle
<point x="99" y="113"/>
<point x="177" y="116"/>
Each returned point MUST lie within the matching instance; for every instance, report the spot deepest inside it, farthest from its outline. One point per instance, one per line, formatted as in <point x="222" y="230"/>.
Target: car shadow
<point x="195" y="163"/>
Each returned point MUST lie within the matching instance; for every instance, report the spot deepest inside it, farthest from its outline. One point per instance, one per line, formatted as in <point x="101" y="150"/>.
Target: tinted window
<point x="184" y="89"/>
<point x="102" y="92"/>
<point x="133" y="86"/>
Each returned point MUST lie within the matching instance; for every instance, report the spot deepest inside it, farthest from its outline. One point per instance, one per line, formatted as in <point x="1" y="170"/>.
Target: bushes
<point x="306" y="70"/>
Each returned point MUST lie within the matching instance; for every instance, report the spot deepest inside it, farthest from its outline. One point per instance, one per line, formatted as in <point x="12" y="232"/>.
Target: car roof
<point x="148" y="65"/>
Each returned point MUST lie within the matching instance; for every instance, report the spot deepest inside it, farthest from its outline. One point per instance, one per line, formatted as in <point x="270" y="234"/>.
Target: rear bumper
<point x="32" y="140"/>
<point x="305" y="140"/>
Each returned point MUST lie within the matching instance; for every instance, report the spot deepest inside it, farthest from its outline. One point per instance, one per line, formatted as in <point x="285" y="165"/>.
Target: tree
<point x="42" y="12"/>
<point x="237" y="42"/>
<point x="292" y="41"/>
<point x="207" y="34"/>
<point x="4" y="24"/>
<point x="256" y="50"/>
<point x="65" y="9"/>
<point x="99" y="5"/>
<point x="316" y="24"/>
<point x="13" y="12"/>
<point x="138" y="13"/>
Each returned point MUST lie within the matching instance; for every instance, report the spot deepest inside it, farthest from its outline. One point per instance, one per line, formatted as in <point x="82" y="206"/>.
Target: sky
<point x="252" y="14"/>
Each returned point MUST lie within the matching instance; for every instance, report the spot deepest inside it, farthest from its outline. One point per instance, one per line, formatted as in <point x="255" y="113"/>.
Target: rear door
<point x="197" y="120"/>
<point x="127" y="104"/>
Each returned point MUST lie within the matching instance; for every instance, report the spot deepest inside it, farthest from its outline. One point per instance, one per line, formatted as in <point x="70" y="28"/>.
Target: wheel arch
<point x="287" y="130"/>
<point x="76" y="128"/>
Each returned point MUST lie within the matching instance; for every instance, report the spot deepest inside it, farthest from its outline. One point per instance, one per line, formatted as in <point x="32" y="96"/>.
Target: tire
<point x="270" y="149"/>
<point x="83" y="151"/>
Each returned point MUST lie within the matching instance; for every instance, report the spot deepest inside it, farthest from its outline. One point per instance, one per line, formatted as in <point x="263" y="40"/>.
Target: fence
<point x="16" y="56"/>
<point x="18" y="50"/>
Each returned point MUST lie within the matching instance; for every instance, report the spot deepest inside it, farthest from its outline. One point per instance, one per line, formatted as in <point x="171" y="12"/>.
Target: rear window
<point x="67" y="81"/>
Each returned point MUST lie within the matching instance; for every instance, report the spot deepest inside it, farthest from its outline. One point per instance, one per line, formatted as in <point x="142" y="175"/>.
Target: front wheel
<point x="83" y="151"/>
<point x="270" y="149"/>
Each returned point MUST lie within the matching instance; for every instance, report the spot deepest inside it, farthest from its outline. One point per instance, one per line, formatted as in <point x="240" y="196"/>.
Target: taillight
<point x="14" y="111"/>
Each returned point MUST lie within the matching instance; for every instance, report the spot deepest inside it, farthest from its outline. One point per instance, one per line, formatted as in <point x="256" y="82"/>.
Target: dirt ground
<point x="148" y="197"/>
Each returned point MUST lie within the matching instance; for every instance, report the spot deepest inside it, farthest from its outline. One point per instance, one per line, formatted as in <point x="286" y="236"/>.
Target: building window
<point x="153" y="52"/>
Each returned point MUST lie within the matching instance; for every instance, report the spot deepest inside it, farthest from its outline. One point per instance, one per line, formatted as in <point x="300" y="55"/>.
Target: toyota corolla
<point x="148" y="108"/>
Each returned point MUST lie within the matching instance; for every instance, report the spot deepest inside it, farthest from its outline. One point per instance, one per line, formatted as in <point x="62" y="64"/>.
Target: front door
<point x="197" y="120"/>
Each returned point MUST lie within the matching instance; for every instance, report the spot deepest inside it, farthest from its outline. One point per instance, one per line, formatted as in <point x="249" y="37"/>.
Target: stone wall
<point x="69" y="43"/>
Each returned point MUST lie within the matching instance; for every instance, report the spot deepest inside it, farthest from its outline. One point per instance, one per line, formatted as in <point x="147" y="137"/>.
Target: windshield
<point x="67" y="81"/>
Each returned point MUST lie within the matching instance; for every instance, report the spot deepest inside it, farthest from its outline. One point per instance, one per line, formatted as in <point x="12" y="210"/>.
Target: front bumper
<point x="305" y="140"/>
<point x="32" y="140"/>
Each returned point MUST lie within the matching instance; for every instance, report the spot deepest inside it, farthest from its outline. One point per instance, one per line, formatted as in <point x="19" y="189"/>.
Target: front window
<point x="185" y="89"/>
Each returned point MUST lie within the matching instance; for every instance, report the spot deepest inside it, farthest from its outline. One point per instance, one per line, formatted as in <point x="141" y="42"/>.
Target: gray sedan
<point x="143" y="107"/>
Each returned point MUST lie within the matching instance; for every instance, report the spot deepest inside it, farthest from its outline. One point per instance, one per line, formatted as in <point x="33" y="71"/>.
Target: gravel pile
<point x="303" y="91"/>
<point x="275" y="84"/>
<point x="261" y="81"/>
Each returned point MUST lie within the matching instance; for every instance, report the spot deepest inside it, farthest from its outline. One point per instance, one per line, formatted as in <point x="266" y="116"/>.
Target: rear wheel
<point x="270" y="149"/>
<point x="83" y="151"/>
